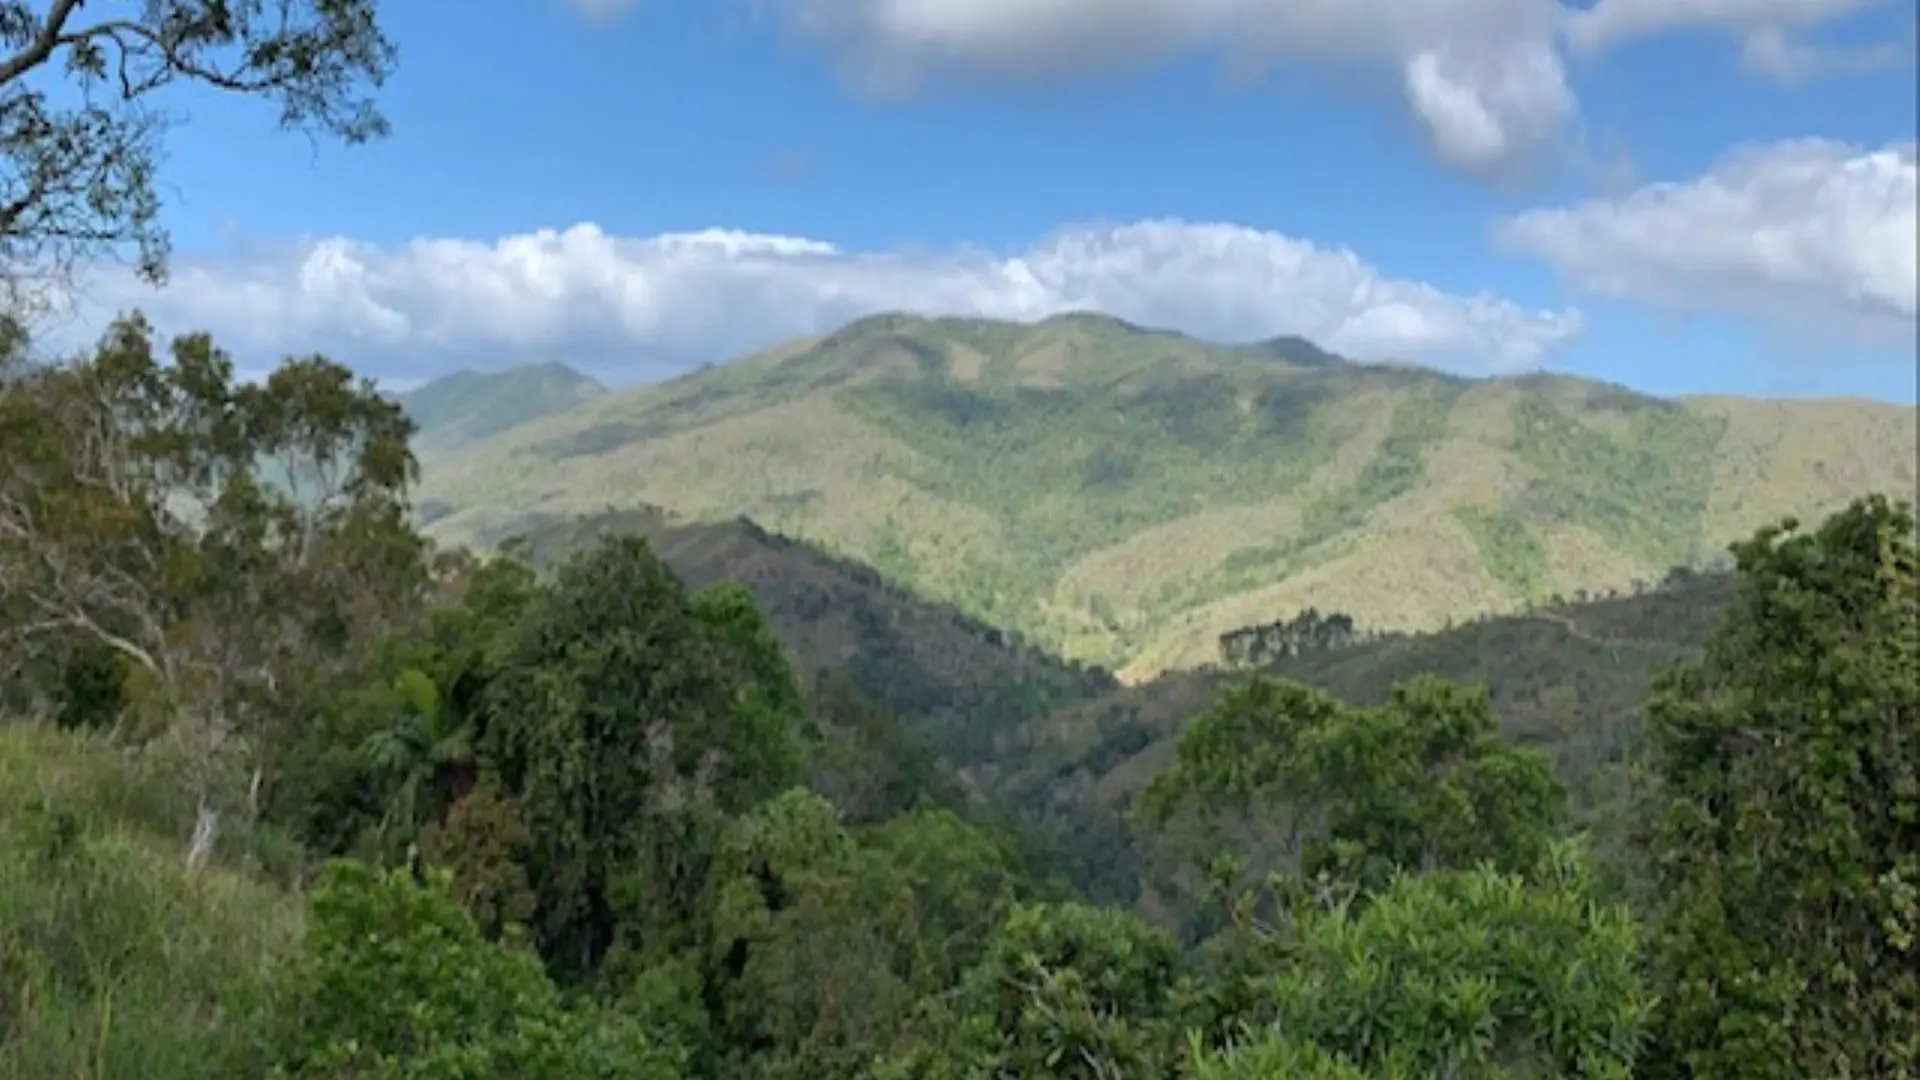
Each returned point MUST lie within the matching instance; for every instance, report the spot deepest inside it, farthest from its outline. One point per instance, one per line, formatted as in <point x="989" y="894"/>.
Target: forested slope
<point x="330" y="802"/>
<point x="1123" y="495"/>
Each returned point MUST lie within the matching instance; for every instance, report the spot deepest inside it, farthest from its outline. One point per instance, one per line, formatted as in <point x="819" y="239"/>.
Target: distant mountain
<point x="1124" y="495"/>
<point x="467" y="406"/>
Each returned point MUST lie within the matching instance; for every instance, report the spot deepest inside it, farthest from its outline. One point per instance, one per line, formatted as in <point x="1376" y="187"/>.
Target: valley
<point x="1066" y="748"/>
<point x="736" y="548"/>
<point x="713" y="801"/>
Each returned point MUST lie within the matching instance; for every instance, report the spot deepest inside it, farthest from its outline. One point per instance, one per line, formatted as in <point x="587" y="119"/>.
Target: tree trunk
<point x="206" y="831"/>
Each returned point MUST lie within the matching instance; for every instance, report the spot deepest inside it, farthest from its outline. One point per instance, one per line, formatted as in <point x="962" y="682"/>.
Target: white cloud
<point x="1770" y="52"/>
<point x="1611" y="22"/>
<point x="1486" y="110"/>
<point x="655" y="303"/>
<point x="1485" y="78"/>
<point x="1809" y="235"/>
<point x="1480" y="75"/>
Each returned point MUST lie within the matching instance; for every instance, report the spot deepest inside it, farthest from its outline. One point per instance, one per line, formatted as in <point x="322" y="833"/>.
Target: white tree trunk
<point x="206" y="831"/>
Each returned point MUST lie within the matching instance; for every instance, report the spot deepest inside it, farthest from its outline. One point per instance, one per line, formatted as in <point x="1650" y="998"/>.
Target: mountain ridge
<point x="1123" y="495"/>
<point x="469" y="405"/>
<point x="957" y="682"/>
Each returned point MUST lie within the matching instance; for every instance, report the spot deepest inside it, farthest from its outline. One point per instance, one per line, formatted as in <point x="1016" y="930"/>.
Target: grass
<point x="115" y="961"/>
<point x="1122" y="495"/>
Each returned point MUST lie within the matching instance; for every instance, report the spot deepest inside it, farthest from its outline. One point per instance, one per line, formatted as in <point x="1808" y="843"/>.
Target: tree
<point x="762" y="735"/>
<point x="1422" y="783"/>
<point x="229" y="542"/>
<point x="628" y="722"/>
<point x="1455" y="974"/>
<point x="424" y="743"/>
<point x="807" y="971"/>
<point x="1782" y="821"/>
<point x="397" y="983"/>
<point x="78" y="180"/>
<point x="1064" y="992"/>
<point x="391" y="744"/>
<point x="825" y="937"/>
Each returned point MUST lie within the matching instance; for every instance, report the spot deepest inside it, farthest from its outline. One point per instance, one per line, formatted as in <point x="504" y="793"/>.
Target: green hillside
<point x="466" y="406"/>
<point x="115" y="960"/>
<point x="361" y="807"/>
<point x="1125" y="495"/>
<point x="954" y="681"/>
<point x="1568" y="679"/>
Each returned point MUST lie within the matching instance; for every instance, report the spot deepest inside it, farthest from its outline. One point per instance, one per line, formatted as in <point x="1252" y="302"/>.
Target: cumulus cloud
<point x="641" y="306"/>
<point x="1808" y="235"/>
<point x="1484" y="78"/>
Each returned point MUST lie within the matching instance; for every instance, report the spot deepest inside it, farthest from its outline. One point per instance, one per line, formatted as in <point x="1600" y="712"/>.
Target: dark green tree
<point x="1782" y="824"/>
<point x="629" y="725"/>
<point x="387" y="748"/>
<point x="397" y="983"/>
<point x="1351" y="795"/>
<point x="1064" y="992"/>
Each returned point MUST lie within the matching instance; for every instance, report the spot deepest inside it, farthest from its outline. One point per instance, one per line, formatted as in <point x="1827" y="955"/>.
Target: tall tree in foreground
<point x="225" y="543"/>
<point x="1460" y="973"/>
<point x="80" y="130"/>
<point x="630" y="720"/>
<point x="1784" y="825"/>
<point x="397" y="983"/>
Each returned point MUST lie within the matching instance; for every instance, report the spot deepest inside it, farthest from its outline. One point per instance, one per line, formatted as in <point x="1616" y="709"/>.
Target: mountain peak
<point x="468" y="405"/>
<point x="1296" y="350"/>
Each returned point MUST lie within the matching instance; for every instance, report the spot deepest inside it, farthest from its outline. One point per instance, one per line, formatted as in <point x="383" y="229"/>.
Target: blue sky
<point x="1013" y="158"/>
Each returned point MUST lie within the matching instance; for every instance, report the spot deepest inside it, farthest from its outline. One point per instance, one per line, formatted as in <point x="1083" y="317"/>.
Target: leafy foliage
<point x="396" y="983"/>
<point x="1463" y="973"/>
<point x="81" y="169"/>
<point x="1064" y="991"/>
<point x="578" y="816"/>
<point x="230" y="543"/>
<point x="1784" y="821"/>
<point x="1422" y="783"/>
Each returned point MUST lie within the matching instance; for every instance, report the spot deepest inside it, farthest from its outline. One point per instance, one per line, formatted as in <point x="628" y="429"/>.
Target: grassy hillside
<point x="1125" y="495"/>
<point x="114" y="959"/>
<point x="466" y="406"/>
<point x="957" y="682"/>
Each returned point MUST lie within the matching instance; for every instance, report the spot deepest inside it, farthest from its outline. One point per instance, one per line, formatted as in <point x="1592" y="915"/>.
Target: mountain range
<point x="1123" y="496"/>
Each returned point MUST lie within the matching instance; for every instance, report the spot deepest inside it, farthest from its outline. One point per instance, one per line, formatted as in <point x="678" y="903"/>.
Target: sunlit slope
<point x="1126" y="495"/>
